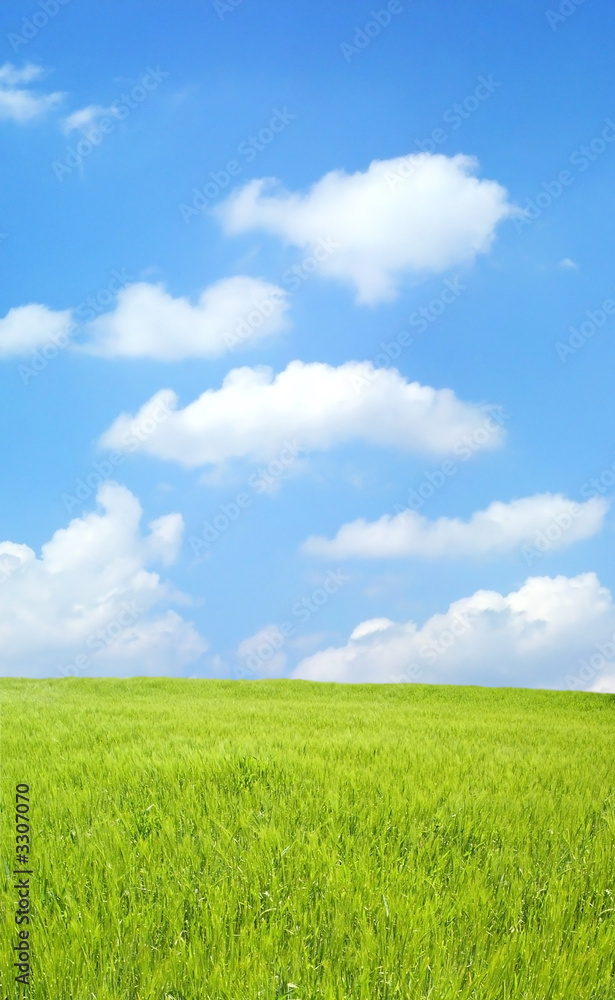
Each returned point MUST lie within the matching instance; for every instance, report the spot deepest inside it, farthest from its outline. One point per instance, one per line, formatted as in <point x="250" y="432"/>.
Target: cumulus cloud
<point x="21" y="104"/>
<point x="408" y="216"/>
<point x="83" y="118"/>
<point x="500" y="528"/>
<point x="26" y="328"/>
<point x="149" y="323"/>
<point x="317" y="406"/>
<point x="89" y="604"/>
<point x="551" y="633"/>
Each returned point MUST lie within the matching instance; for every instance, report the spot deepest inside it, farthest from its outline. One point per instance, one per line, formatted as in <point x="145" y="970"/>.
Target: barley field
<point x="212" y="840"/>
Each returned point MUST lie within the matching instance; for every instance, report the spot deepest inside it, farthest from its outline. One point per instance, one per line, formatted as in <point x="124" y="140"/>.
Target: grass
<point x="211" y="840"/>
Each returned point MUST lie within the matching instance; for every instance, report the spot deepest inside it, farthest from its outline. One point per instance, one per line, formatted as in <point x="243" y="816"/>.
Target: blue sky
<point x="165" y="168"/>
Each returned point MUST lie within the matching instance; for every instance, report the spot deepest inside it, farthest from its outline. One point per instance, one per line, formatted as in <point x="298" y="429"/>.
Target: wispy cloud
<point x="502" y="527"/>
<point x="21" y="104"/>
<point x="85" y="117"/>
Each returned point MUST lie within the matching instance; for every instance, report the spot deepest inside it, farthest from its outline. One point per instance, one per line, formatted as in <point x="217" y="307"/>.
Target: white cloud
<point x="370" y="627"/>
<point x="21" y="104"/>
<point x="84" y="117"/>
<point x="606" y="685"/>
<point x="90" y="595"/>
<point x="552" y="633"/>
<point x="26" y="328"/>
<point x="408" y="216"/>
<point x="10" y="75"/>
<point x="568" y="265"/>
<point x="500" y="528"/>
<point x="149" y="323"/>
<point x="315" y="406"/>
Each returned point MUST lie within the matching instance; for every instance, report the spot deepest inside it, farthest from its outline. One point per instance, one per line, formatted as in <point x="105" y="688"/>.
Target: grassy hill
<point x="210" y="840"/>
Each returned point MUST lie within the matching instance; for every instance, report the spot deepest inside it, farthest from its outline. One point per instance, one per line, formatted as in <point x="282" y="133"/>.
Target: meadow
<point x="213" y="840"/>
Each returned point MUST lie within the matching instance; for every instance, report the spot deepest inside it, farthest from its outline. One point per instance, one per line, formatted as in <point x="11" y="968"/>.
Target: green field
<point x="212" y="840"/>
